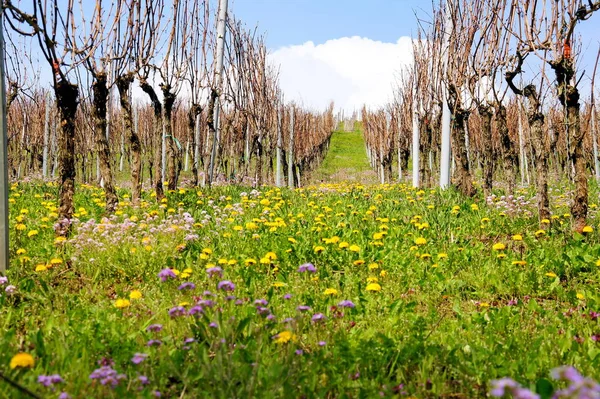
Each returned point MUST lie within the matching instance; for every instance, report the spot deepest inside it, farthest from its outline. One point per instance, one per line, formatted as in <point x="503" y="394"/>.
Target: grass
<point x="437" y="308"/>
<point x="346" y="160"/>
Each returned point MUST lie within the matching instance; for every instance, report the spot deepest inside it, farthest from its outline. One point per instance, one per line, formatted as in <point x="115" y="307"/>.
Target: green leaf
<point x="544" y="388"/>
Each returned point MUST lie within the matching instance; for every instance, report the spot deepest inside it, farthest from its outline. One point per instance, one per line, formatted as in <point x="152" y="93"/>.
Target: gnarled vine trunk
<point x="123" y="84"/>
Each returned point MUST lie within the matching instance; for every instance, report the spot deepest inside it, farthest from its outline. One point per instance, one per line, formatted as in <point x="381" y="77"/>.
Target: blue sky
<point x="351" y="51"/>
<point x="290" y="22"/>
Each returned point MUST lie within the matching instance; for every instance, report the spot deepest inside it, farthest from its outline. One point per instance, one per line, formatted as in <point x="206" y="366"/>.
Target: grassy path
<point x="346" y="160"/>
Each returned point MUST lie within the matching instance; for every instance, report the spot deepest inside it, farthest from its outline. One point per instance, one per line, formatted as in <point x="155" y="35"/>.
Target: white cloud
<point x="351" y="71"/>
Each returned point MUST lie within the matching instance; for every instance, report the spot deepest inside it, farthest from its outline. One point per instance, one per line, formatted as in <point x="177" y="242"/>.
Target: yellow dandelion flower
<point x="122" y="303"/>
<point x="21" y="251"/>
<point x="20" y="227"/>
<point x="501" y="256"/>
<point x="550" y="274"/>
<point x="383" y="273"/>
<point x="588" y="229"/>
<point x="499" y="247"/>
<point x="420" y="241"/>
<point x="284" y="337"/>
<point x="373" y="266"/>
<point x="517" y="237"/>
<point x="135" y="294"/>
<point x="580" y="296"/>
<point x="250" y="261"/>
<point x="32" y="233"/>
<point x="354" y="248"/>
<point x="41" y="268"/>
<point x="343" y="245"/>
<point x="377" y="236"/>
<point x="278" y="284"/>
<point x="540" y="233"/>
<point x="55" y="261"/>
<point x="545" y="221"/>
<point x="373" y="287"/>
<point x="292" y="240"/>
<point x="484" y="305"/>
<point x="22" y="360"/>
<point x="330" y="291"/>
<point x="318" y="249"/>
<point x="442" y="255"/>
<point x="207" y="251"/>
<point x="519" y="262"/>
<point x="271" y="256"/>
<point x="358" y="262"/>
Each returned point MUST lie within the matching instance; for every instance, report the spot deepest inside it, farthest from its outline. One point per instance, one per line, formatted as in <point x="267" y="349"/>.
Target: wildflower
<point x="588" y="229"/>
<point x="278" y="284"/>
<point x="3" y="280"/>
<point x="194" y="310"/>
<point x="318" y="317"/>
<point x="49" y="380"/>
<point x="250" y="261"/>
<point x="21" y="251"/>
<point x="154" y="327"/>
<point x="299" y="352"/>
<point x="287" y="296"/>
<point x="499" y="247"/>
<point x="122" y="303"/>
<point x="358" y="262"/>
<point x="550" y="274"/>
<point x="64" y="395"/>
<point x="177" y="311"/>
<point x="580" y="296"/>
<point x="166" y="274"/>
<point x="186" y="286"/>
<point x="107" y="376"/>
<point x="10" y="289"/>
<point x="284" y="337"/>
<point x="343" y="245"/>
<point x="373" y="287"/>
<point x="143" y="380"/>
<point x="154" y="342"/>
<point x="55" y="261"/>
<point x="346" y="304"/>
<point x="330" y="291"/>
<point x="318" y="249"/>
<point x="135" y="294"/>
<point x="540" y="233"/>
<point x="41" y="268"/>
<point x="138" y="358"/>
<point x="420" y="241"/>
<point x="226" y="285"/>
<point x="517" y="237"/>
<point x="354" y="248"/>
<point x="22" y="360"/>
<point x="307" y="267"/>
<point x="303" y="308"/>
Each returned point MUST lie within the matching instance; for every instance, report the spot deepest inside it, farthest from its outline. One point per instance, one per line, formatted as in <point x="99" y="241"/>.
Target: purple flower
<point x="166" y="274"/>
<point x="189" y="340"/>
<point x="303" y="308"/>
<point x="186" y="286"/>
<point x="208" y="293"/>
<point x="512" y="302"/>
<point x="499" y="386"/>
<point x="262" y="302"/>
<point x="226" y="285"/>
<point x="48" y="380"/>
<point x="157" y="394"/>
<point x="288" y="319"/>
<point x="195" y="310"/>
<point x="346" y="304"/>
<point x="143" y="380"/>
<point x="177" y="311"/>
<point x="154" y="327"/>
<point x="10" y="289"/>
<point x="594" y="315"/>
<point x="318" y="317"/>
<point x="263" y="311"/>
<point x="64" y="395"/>
<point x="206" y="303"/>
<point x="271" y="317"/>
<point x="566" y="373"/>
<point x="230" y="297"/>
<point x="214" y="271"/>
<point x="307" y="267"/>
<point x="138" y="358"/>
<point x="299" y="352"/>
<point x="154" y="342"/>
<point x="322" y="343"/>
<point x="107" y="376"/>
<point x="3" y="280"/>
<point x="213" y="325"/>
<point x="287" y="296"/>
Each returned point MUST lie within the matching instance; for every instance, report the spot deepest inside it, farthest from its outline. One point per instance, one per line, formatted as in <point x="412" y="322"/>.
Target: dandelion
<point x="354" y="248"/>
<point x="373" y="287"/>
<point x="330" y="291"/>
<point x="420" y="241"/>
<point x="22" y="360"/>
<point x="284" y="337"/>
<point x="588" y="229"/>
<point x="122" y="303"/>
<point x="56" y="261"/>
<point x="318" y="249"/>
<point x="499" y="247"/>
<point x="41" y="268"/>
<point x="550" y="274"/>
<point x="517" y="237"/>
<point x="135" y="294"/>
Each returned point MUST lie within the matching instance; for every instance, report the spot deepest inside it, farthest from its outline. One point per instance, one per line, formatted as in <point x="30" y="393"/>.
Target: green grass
<point x="438" y="309"/>
<point x="346" y="160"/>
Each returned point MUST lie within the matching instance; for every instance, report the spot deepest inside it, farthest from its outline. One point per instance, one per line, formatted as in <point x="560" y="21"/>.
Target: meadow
<point x="336" y="290"/>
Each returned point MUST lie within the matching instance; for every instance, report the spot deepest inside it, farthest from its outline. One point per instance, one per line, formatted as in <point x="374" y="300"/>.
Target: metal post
<point x="446" y="115"/>
<point x="4" y="185"/>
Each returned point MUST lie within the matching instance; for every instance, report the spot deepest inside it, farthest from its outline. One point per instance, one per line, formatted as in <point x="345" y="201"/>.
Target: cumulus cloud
<point x="351" y="71"/>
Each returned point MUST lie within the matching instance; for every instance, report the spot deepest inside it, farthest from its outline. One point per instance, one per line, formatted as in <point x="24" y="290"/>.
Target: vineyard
<point x="177" y="227"/>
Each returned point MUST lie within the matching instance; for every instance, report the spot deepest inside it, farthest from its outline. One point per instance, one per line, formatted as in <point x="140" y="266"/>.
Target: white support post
<point x="445" y="156"/>
<point x="4" y="184"/>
